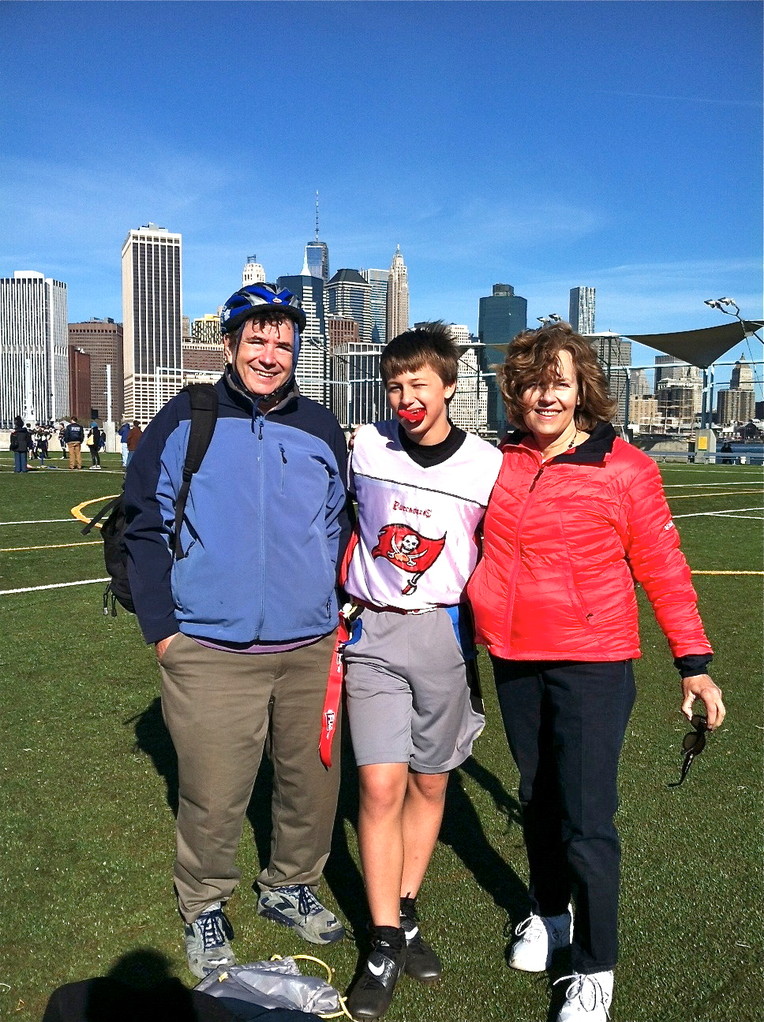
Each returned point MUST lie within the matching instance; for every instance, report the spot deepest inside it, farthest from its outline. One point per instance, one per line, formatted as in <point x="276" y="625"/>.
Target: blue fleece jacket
<point x="264" y="527"/>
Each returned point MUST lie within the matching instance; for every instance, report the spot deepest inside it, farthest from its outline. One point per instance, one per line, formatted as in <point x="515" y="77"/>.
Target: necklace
<point x="547" y="455"/>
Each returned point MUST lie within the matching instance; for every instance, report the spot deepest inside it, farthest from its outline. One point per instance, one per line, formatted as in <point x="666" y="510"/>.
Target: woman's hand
<point x="700" y="686"/>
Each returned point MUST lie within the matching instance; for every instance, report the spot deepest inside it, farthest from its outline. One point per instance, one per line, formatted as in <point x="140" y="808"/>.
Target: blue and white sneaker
<point x="207" y="941"/>
<point x="538" y="939"/>
<point x="297" y="906"/>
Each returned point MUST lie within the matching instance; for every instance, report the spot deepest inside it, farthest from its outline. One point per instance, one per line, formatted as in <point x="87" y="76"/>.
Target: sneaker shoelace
<point x="213" y="929"/>
<point x="307" y="902"/>
<point x="587" y="989"/>
<point x="531" y="928"/>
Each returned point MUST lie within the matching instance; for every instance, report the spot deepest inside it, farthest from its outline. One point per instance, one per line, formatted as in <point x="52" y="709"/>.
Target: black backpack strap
<point x="204" y="413"/>
<point x="103" y="513"/>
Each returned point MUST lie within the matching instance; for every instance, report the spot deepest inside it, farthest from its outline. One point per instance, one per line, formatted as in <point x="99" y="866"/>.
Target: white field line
<point x="724" y="493"/>
<point x="56" y="585"/>
<point x="734" y="513"/>
<point x="48" y="546"/>
<point x="698" y="483"/>
<point x="41" y="521"/>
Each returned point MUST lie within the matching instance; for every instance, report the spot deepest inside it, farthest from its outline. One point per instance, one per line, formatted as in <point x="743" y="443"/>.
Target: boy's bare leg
<point x="383" y="788"/>
<point x="421" y="819"/>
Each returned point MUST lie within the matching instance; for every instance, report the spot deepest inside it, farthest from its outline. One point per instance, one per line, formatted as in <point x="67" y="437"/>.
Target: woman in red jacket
<point x="576" y="516"/>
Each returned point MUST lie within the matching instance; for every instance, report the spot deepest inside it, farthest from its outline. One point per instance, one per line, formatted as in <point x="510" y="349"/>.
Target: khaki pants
<point x="220" y="709"/>
<point x="75" y="455"/>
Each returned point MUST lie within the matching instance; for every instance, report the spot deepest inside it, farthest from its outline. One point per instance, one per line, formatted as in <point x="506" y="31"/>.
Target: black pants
<point x="565" y="723"/>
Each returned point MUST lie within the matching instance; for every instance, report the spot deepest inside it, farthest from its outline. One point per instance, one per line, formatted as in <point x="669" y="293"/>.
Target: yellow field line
<point x="53" y="546"/>
<point x="727" y="572"/>
<point x="77" y="511"/>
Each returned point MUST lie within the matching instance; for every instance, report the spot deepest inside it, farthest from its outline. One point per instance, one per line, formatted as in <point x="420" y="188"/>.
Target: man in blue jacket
<point x="244" y="620"/>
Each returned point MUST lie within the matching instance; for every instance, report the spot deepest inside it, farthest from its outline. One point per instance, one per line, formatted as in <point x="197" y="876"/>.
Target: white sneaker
<point x="588" y="998"/>
<point x="539" y="937"/>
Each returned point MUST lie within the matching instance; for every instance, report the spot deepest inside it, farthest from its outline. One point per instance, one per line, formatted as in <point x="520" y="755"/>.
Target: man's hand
<point x="162" y="645"/>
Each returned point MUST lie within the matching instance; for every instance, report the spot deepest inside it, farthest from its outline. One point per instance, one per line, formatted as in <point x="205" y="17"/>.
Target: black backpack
<point x="204" y="409"/>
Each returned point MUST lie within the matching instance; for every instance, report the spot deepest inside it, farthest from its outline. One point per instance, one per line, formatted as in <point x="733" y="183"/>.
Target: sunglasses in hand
<point x="693" y="743"/>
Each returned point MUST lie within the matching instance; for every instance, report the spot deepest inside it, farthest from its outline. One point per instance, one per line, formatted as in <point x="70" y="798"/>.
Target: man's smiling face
<point x="264" y="357"/>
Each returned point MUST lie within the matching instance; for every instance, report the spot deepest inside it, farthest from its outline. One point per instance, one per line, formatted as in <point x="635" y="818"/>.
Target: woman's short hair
<point x="533" y="359"/>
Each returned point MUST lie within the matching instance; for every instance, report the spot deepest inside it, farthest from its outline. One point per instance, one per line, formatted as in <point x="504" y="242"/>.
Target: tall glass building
<point x="313" y="360"/>
<point x="581" y="309"/>
<point x="317" y="258"/>
<point x="34" y="368"/>
<point x="317" y="255"/>
<point x="378" y="284"/>
<point x="348" y="294"/>
<point x="501" y="317"/>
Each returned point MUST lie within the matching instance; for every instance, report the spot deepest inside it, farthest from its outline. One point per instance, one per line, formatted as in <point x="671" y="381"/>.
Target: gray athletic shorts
<point x="413" y="694"/>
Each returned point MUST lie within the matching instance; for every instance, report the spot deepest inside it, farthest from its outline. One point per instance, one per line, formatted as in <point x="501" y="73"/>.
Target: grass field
<point x="89" y="787"/>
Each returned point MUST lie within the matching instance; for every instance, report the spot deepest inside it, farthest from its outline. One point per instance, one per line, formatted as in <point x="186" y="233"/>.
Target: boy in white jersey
<point x="414" y="706"/>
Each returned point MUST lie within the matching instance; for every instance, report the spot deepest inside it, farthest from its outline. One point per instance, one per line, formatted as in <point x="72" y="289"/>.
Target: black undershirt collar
<point x="426" y="455"/>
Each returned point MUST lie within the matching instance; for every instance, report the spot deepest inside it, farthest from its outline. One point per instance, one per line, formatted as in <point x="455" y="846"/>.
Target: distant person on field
<point x="413" y="697"/>
<point x="133" y="438"/>
<point x="61" y="441"/>
<point x="41" y="437"/>
<point x="74" y="434"/>
<point x="244" y="621"/>
<point x="94" y="443"/>
<point x="21" y="443"/>
<point x="123" y="432"/>
<point x="577" y="517"/>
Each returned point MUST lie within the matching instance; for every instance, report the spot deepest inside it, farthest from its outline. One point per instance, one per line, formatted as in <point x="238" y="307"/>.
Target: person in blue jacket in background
<point x="244" y="621"/>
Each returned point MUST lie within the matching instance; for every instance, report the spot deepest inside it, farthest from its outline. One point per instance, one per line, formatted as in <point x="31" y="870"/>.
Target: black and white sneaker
<point x="371" y="996"/>
<point x="422" y="963"/>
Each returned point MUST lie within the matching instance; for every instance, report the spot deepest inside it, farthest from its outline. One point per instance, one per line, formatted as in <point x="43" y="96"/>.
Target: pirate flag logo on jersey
<point x="408" y="550"/>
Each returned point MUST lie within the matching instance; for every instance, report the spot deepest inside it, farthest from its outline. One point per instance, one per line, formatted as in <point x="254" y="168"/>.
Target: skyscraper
<point x="397" y="296"/>
<point x="253" y="272"/>
<point x="152" y="314"/>
<point x="378" y="295"/>
<point x="313" y="360"/>
<point x="348" y="294"/>
<point x="317" y="255"/>
<point x="737" y="404"/>
<point x="501" y="317"/>
<point x="34" y="371"/>
<point x="203" y="359"/>
<point x="469" y="407"/>
<point x="581" y="309"/>
<point x="614" y="355"/>
<point x="102" y="340"/>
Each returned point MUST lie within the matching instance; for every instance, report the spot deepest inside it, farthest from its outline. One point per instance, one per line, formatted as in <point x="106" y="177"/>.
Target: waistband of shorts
<point x="399" y="610"/>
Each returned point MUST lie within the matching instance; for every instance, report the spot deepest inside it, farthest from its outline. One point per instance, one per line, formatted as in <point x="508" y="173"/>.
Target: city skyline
<point x="644" y="184"/>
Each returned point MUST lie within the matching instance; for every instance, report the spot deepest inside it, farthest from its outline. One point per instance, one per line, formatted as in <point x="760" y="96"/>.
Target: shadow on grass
<point x="138" y="988"/>
<point x="153" y="738"/>
<point x="464" y="832"/>
<point x="462" y="829"/>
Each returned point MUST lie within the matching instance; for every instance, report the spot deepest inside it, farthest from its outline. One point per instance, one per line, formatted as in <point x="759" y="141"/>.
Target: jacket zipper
<point x="516" y="565"/>
<point x="261" y="523"/>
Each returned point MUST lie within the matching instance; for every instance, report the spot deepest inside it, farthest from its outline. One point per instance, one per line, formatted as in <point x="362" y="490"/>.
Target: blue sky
<point x="542" y="144"/>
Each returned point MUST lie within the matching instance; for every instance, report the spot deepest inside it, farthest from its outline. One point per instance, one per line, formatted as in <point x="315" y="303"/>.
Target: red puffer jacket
<point x="563" y="544"/>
